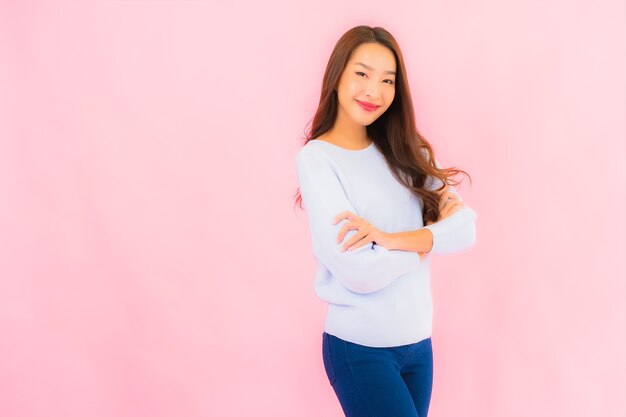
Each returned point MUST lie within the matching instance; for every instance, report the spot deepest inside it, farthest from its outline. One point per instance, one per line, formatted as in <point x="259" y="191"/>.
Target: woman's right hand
<point x="449" y="203"/>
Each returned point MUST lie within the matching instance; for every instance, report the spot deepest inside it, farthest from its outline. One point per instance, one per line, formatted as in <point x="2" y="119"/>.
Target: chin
<point x="369" y="120"/>
<point x="364" y="122"/>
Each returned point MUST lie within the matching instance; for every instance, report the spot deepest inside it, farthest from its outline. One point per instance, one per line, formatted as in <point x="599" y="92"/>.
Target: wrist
<point x="388" y="240"/>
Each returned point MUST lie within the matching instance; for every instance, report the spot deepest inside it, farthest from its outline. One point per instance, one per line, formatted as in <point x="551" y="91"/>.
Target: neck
<point x="349" y="134"/>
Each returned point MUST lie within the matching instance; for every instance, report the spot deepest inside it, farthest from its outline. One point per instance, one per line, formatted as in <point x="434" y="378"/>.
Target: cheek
<point x="389" y="97"/>
<point x="354" y="85"/>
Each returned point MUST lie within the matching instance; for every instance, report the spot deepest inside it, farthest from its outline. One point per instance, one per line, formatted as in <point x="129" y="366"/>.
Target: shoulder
<point x="314" y="165"/>
<point x="311" y="154"/>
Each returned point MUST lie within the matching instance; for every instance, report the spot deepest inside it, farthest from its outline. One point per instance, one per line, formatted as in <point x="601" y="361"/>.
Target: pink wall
<point x="151" y="263"/>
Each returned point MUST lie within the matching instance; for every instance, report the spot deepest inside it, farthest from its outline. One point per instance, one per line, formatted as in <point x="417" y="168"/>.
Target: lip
<point x="367" y="106"/>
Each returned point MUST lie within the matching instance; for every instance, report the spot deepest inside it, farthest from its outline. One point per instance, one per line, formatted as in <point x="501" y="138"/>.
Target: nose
<point x="372" y="89"/>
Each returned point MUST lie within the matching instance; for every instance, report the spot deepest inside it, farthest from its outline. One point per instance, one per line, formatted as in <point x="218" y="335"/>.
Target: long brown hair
<point x="409" y="155"/>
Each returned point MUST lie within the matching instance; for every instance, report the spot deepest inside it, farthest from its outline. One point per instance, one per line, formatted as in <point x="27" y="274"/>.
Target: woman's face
<point x="369" y="77"/>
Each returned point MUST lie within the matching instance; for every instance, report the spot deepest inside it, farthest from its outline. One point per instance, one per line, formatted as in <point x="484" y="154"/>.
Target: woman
<point x="378" y="204"/>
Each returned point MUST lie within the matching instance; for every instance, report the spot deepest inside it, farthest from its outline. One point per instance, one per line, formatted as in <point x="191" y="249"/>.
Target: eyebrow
<point x="372" y="69"/>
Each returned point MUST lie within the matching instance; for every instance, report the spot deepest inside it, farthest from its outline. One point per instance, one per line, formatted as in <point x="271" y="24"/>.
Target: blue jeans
<point x="379" y="381"/>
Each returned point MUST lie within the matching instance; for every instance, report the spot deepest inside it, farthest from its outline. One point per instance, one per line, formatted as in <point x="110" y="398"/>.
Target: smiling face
<point x="368" y="78"/>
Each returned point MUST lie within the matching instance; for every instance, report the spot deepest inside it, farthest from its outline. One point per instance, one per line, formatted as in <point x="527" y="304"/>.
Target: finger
<point x="450" y="195"/>
<point x="451" y="208"/>
<point x="360" y="239"/>
<point x="344" y="215"/>
<point x="360" y="243"/>
<point x="345" y="229"/>
<point x="442" y="202"/>
<point x="354" y="239"/>
<point x="340" y="216"/>
<point x="451" y="203"/>
<point x="447" y="206"/>
<point x="445" y="198"/>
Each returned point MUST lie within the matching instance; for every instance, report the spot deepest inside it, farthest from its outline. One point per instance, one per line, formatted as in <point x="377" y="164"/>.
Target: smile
<point x="367" y="107"/>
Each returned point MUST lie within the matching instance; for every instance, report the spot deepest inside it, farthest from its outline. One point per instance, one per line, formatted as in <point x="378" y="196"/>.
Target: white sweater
<point x="376" y="297"/>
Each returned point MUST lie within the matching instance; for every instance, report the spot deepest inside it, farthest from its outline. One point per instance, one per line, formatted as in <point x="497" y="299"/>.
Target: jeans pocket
<point x="328" y="360"/>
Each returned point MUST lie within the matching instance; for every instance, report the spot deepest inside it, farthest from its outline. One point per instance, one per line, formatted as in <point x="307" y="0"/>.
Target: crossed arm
<point x="454" y="233"/>
<point x="373" y="265"/>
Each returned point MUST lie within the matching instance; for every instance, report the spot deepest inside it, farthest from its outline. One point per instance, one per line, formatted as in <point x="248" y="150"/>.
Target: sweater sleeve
<point x="363" y="270"/>
<point x="455" y="233"/>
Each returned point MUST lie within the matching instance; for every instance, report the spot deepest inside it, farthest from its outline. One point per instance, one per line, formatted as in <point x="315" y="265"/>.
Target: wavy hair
<point x="409" y="155"/>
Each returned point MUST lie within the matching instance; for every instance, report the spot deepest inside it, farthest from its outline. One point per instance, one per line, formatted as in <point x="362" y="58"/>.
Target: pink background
<point x="151" y="262"/>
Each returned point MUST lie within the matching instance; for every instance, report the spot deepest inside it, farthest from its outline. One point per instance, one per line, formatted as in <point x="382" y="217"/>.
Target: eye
<point x="361" y="72"/>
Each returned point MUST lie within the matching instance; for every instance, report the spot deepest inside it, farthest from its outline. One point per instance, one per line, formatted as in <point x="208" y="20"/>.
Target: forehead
<point x="375" y="55"/>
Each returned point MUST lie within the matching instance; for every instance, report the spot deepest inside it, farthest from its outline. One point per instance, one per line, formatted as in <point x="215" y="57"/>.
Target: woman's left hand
<point x="366" y="232"/>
